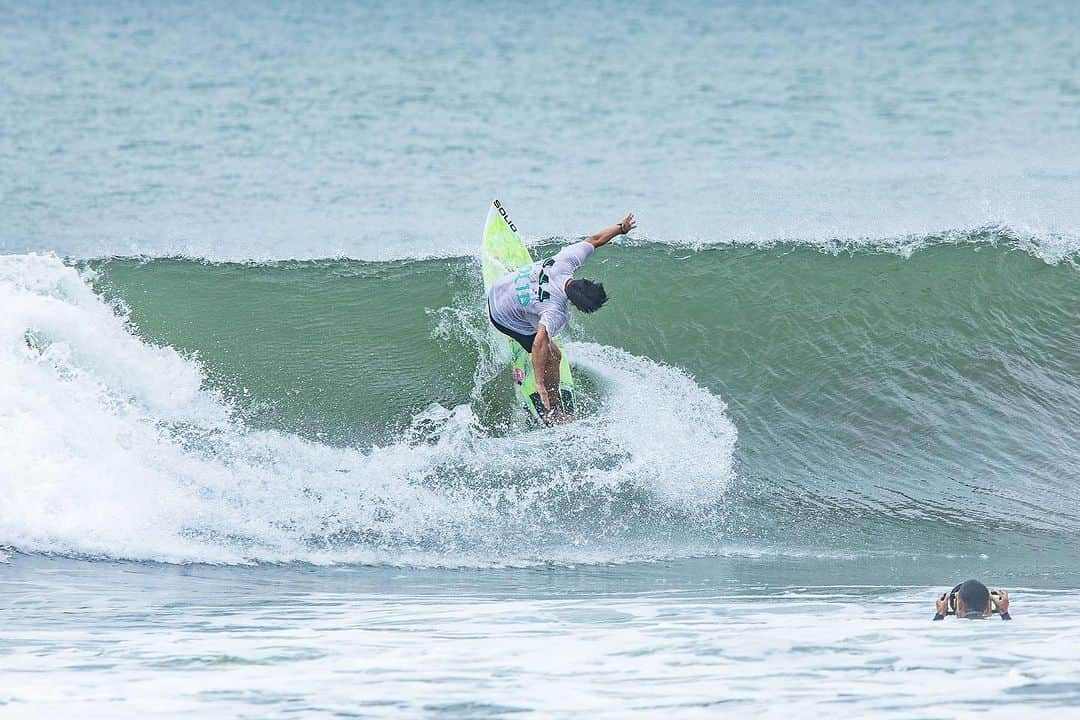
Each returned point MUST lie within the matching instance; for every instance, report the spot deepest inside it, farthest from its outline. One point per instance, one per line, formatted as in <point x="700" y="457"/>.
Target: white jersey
<point x="536" y="293"/>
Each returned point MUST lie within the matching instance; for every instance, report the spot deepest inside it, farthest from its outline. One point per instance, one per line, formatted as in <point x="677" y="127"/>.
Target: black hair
<point x="975" y="595"/>
<point x="586" y="295"/>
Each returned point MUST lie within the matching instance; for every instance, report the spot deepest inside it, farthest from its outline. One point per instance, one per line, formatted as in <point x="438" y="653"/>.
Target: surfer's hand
<point x="1000" y="599"/>
<point x="942" y="604"/>
<point x="628" y="223"/>
<point x="559" y="417"/>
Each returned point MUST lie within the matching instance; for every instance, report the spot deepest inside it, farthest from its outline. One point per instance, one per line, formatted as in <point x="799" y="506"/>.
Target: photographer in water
<point x="972" y="600"/>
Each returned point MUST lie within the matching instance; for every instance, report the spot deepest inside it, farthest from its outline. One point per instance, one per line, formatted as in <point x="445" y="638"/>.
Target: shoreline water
<point x="631" y="641"/>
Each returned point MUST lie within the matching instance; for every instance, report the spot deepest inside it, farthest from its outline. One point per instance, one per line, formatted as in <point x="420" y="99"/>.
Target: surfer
<point x="529" y="305"/>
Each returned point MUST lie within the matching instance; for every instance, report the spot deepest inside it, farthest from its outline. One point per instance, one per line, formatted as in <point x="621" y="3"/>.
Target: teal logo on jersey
<point x="521" y="285"/>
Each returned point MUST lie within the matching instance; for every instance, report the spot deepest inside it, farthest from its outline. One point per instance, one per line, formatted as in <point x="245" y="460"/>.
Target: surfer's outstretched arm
<point x="605" y="236"/>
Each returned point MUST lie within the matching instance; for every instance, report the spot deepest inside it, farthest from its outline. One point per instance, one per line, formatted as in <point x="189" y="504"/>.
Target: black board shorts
<point x="525" y="341"/>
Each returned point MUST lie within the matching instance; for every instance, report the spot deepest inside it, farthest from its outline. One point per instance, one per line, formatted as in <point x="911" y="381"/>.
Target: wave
<point x="113" y="446"/>
<point x="345" y="411"/>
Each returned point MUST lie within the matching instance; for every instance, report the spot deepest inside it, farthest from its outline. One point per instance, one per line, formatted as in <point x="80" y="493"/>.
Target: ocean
<point x="259" y="452"/>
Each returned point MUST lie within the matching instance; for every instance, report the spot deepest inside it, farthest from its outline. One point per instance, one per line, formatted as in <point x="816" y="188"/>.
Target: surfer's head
<point x="586" y="295"/>
<point x="970" y="599"/>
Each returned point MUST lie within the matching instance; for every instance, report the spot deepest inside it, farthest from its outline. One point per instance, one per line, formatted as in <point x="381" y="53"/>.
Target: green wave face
<point x="340" y="351"/>
<point x="879" y="400"/>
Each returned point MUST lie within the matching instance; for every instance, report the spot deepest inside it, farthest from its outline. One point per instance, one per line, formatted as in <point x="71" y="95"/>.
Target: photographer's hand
<point x="1000" y="598"/>
<point x="942" y="605"/>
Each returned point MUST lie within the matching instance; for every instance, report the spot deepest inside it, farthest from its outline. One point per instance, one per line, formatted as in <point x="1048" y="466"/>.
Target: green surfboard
<point x="503" y="251"/>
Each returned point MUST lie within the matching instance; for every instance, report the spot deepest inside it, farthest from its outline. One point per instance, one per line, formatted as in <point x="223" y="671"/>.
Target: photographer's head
<point x="970" y="599"/>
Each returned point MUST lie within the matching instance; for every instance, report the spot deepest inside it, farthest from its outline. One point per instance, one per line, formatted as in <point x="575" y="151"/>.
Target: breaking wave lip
<point x="1051" y="247"/>
<point x="113" y="447"/>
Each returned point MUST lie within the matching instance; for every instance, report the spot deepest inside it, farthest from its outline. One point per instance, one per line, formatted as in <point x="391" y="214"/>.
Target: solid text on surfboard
<point x="506" y="217"/>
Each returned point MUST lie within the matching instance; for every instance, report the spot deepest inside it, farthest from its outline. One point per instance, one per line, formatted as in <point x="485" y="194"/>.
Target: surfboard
<point x="503" y="251"/>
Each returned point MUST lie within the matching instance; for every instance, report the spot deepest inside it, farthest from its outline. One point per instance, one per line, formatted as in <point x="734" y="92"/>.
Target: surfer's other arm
<point x="546" y="357"/>
<point x="605" y="236"/>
